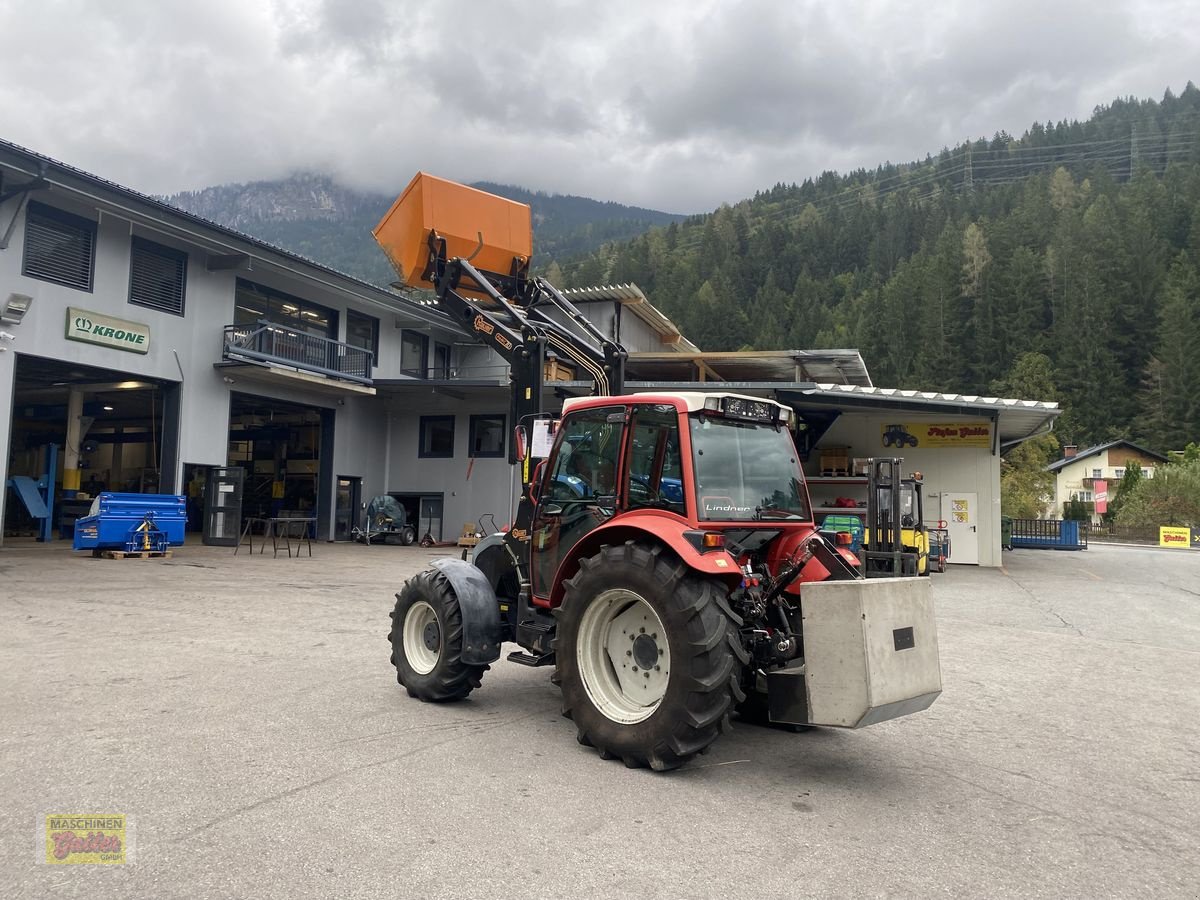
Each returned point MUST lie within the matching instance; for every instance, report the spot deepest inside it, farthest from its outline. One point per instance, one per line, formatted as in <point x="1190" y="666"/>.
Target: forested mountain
<point x="314" y="216"/>
<point x="1079" y="241"/>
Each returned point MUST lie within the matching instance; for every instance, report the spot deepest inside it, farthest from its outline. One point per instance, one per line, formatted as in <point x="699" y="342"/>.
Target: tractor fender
<point x="480" y="610"/>
<point x="653" y="526"/>
<point x="491" y="557"/>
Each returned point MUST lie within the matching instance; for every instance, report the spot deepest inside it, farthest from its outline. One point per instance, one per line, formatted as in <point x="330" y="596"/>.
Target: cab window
<point x="655" y="478"/>
<point x="585" y="465"/>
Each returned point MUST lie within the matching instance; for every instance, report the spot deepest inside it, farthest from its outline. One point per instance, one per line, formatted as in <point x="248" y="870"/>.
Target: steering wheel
<point x="641" y="492"/>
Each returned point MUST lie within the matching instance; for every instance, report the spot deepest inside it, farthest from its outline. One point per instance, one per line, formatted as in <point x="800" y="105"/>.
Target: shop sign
<point x="94" y="328"/>
<point x="933" y="434"/>
<point x="1178" y="537"/>
<point x="1101" y="488"/>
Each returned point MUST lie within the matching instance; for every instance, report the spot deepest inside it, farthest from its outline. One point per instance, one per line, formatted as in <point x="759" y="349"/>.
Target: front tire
<point x="426" y="638"/>
<point x="645" y="657"/>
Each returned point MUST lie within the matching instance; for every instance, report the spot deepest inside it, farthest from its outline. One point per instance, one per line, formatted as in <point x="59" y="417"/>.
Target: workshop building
<point x="156" y="351"/>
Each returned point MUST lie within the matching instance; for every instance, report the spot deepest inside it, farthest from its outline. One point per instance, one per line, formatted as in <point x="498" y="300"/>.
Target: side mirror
<point x="519" y="443"/>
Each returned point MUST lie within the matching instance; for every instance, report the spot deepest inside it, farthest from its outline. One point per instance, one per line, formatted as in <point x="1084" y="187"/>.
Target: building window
<point x="59" y="247"/>
<point x="157" y="276"/>
<point x="1145" y="472"/>
<point x="1119" y="473"/>
<point x="441" y="361"/>
<point x="1097" y="473"/>
<point x="437" y="437"/>
<point x="363" y="331"/>
<point x="414" y="353"/>
<point x="253" y="302"/>
<point x="487" y="436"/>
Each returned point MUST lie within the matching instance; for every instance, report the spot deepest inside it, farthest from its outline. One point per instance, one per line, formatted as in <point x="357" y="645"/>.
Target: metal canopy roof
<point x="687" y="362"/>
<point x="1016" y="420"/>
<point x="843" y="367"/>
<point x="631" y="296"/>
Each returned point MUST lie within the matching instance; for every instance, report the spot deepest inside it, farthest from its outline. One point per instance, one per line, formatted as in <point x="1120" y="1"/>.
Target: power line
<point x="995" y="172"/>
<point x="1019" y="162"/>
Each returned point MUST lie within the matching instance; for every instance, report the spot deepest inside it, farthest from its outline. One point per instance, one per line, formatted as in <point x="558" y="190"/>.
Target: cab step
<point x="528" y="659"/>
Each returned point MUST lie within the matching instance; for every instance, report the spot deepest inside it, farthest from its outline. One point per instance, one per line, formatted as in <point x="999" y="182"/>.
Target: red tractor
<point x="664" y="558"/>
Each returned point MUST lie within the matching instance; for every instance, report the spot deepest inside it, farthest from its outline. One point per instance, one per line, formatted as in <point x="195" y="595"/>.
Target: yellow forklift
<point x="896" y="540"/>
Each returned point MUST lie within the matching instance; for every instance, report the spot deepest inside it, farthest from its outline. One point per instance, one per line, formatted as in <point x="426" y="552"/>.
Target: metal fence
<point x="269" y="342"/>
<point x="1134" y="534"/>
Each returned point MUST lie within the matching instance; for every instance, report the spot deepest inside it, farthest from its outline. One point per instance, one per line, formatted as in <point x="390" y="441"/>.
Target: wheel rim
<point x="623" y="656"/>
<point x="422" y="638"/>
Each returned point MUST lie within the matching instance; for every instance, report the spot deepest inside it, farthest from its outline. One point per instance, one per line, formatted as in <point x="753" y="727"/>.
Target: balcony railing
<point x="270" y="342"/>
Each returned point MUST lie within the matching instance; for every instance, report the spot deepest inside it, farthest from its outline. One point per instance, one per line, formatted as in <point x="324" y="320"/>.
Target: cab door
<point x="579" y="491"/>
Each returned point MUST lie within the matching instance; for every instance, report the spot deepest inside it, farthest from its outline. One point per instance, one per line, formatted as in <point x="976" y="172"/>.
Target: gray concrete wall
<point x="7" y="368"/>
<point x="181" y="347"/>
<point x="360" y="445"/>
<point x="470" y="487"/>
<point x="185" y="348"/>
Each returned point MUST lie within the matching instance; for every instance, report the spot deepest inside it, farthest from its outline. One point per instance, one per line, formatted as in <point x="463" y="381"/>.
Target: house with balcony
<point x="1081" y="474"/>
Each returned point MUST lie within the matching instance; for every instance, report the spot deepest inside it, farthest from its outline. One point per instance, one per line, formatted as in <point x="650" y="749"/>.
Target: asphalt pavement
<point x="242" y="712"/>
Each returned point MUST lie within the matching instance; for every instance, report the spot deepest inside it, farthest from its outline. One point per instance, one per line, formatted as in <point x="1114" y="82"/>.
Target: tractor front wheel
<point x="645" y="657"/>
<point x="426" y="637"/>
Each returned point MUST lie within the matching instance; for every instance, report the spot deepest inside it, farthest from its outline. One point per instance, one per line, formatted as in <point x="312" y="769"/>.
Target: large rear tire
<point x="426" y="637"/>
<point x="647" y="661"/>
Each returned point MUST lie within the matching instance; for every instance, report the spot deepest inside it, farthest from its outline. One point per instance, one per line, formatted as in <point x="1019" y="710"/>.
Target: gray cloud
<point x="675" y="105"/>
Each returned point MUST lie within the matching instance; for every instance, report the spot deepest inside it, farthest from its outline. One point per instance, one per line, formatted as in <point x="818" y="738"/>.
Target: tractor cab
<point x="687" y="467"/>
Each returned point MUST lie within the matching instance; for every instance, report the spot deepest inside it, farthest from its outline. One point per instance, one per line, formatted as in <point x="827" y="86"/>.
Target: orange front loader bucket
<point x="488" y="230"/>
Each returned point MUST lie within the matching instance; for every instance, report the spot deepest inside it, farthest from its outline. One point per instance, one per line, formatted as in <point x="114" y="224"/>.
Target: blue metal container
<point x="1049" y="534"/>
<point x="133" y="522"/>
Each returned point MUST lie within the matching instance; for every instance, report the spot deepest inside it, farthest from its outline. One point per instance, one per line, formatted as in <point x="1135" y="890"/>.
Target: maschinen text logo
<point x="100" y="839"/>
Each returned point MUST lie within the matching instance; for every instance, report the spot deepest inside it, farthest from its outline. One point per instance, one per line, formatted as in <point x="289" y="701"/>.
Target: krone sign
<point x="94" y="328"/>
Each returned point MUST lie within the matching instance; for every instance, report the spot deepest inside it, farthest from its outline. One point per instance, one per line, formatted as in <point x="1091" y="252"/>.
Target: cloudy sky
<point x="673" y="104"/>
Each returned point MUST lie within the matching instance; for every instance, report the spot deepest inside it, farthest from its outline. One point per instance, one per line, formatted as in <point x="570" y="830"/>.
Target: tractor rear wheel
<point x="645" y="657"/>
<point x="427" y="636"/>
